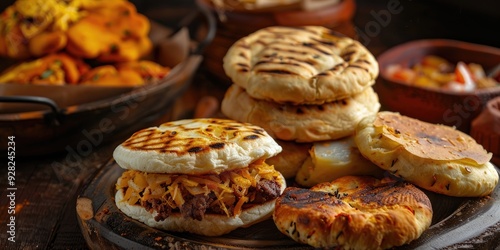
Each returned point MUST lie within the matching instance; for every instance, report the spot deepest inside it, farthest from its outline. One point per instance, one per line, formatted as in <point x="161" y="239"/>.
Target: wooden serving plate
<point x="458" y="223"/>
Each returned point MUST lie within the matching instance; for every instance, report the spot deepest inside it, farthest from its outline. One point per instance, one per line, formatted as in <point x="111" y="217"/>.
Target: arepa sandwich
<point x="203" y="176"/>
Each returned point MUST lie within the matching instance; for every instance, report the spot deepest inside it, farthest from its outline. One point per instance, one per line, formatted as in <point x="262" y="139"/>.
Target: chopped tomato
<point x="463" y="74"/>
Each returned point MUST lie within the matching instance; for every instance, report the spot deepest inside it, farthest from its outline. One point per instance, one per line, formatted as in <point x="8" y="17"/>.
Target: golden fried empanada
<point x="147" y="69"/>
<point x="109" y="75"/>
<point x="110" y="33"/>
<point x="134" y="73"/>
<point x="53" y="69"/>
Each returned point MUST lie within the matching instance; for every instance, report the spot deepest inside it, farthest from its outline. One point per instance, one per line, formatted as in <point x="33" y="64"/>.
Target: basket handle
<point x="211" y="30"/>
<point x="189" y="19"/>
<point x="36" y="100"/>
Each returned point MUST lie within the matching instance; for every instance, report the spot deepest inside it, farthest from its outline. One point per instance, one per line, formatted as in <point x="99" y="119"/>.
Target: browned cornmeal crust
<point x="301" y="123"/>
<point x="435" y="157"/>
<point x="354" y="212"/>
<point x="300" y="65"/>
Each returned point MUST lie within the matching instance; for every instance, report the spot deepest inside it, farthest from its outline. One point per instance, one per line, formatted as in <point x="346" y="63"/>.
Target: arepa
<point x="354" y="212"/>
<point x="195" y="146"/>
<point x="300" y="65"/>
<point x="434" y="157"/>
<point x="202" y="176"/>
<point x="301" y="123"/>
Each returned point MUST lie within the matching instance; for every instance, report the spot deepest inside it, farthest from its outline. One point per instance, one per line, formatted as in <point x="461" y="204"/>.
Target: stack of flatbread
<point x="308" y="88"/>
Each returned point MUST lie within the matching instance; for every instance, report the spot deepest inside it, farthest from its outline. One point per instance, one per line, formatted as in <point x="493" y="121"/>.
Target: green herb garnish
<point x="46" y="74"/>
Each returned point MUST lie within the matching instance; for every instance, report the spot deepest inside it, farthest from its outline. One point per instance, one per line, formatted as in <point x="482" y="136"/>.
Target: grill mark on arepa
<point x="388" y="194"/>
<point x="347" y="55"/>
<point x="144" y="142"/>
<point x="363" y="61"/>
<point x="241" y="54"/>
<point x="229" y="128"/>
<point x="272" y="55"/>
<point x="243" y="67"/>
<point x="324" y="42"/>
<point x="289" y="50"/>
<point x="184" y="139"/>
<point x="195" y="149"/>
<point x="359" y="67"/>
<point x="251" y="137"/>
<point x="337" y="69"/>
<point x="261" y="42"/>
<point x="277" y="71"/>
<point x="299" y="111"/>
<point x="142" y="139"/>
<point x="292" y="61"/>
<point x="301" y="198"/>
<point x="243" y="45"/>
<point x="351" y="45"/>
<point x="278" y="63"/>
<point x="217" y="145"/>
<point x="313" y="46"/>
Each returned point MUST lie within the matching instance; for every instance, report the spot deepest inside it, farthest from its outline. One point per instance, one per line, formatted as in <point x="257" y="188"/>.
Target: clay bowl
<point x="493" y="107"/>
<point x="436" y="105"/>
<point x="485" y="129"/>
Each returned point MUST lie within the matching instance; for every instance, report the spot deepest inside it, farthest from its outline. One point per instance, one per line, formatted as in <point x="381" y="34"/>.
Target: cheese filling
<point x="194" y="195"/>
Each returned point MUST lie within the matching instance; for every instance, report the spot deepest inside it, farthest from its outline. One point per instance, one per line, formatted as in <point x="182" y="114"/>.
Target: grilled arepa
<point x="300" y="65"/>
<point x="203" y="176"/>
<point x="434" y="157"/>
<point x="354" y="212"/>
<point x="301" y="123"/>
<point x="195" y="146"/>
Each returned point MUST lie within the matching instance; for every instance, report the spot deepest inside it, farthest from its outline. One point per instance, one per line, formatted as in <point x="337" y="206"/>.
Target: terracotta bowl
<point x="486" y="129"/>
<point x="436" y="105"/>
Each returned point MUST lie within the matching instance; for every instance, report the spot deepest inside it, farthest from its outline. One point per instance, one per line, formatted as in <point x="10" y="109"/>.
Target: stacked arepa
<point x="307" y="87"/>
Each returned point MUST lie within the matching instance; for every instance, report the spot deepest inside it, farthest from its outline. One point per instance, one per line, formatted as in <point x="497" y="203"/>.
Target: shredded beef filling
<point x="266" y="190"/>
<point x="157" y="205"/>
<point x="196" y="206"/>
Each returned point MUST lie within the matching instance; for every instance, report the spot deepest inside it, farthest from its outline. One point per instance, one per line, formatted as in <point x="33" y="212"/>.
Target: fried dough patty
<point x="435" y="157"/>
<point x="354" y="212"/>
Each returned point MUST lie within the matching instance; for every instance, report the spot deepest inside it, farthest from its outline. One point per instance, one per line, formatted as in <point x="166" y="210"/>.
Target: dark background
<point x="460" y="20"/>
<point x="470" y="21"/>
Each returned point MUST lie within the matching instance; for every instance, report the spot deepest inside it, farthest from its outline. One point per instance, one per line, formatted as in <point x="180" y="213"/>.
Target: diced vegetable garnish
<point x="436" y="72"/>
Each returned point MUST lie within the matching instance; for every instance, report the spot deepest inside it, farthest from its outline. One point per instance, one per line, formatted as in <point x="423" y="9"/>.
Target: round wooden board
<point x="458" y="223"/>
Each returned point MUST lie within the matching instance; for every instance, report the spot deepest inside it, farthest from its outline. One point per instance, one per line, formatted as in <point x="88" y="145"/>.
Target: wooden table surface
<point x="46" y="187"/>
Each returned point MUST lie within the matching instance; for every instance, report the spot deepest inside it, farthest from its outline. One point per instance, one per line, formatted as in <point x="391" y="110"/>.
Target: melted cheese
<point x="230" y="187"/>
<point x="330" y="160"/>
